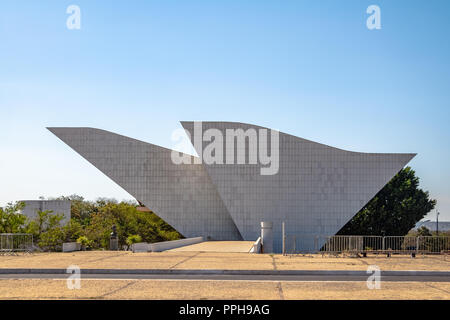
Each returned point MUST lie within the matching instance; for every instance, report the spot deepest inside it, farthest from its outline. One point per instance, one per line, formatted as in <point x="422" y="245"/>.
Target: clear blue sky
<point x="308" y="68"/>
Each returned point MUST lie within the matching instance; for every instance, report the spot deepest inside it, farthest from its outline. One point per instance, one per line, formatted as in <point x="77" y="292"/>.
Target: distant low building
<point x="431" y="225"/>
<point x="57" y="206"/>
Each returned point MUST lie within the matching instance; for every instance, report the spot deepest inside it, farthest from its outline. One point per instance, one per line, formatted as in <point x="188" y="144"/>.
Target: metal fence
<point x="434" y="244"/>
<point x="15" y="242"/>
<point x="366" y="244"/>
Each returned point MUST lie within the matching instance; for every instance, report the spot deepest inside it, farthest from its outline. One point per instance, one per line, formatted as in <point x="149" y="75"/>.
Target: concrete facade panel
<point x="56" y="206"/>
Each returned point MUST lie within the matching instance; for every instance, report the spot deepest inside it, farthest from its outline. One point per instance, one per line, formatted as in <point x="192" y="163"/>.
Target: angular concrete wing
<point x="182" y="195"/>
<point x="316" y="191"/>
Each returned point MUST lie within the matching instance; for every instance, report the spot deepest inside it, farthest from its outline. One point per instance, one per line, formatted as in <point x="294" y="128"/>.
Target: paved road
<point x="299" y="278"/>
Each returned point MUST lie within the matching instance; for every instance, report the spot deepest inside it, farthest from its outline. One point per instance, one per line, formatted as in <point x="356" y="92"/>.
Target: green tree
<point x="424" y="232"/>
<point x="394" y="210"/>
<point x="85" y="242"/>
<point x="72" y="230"/>
<point x="52" y="239"/>
<point x="135" y="238"/>
<point x="80" y="210"/>
<point x="11" y="220"/>
<point x="90" y="219"/>
<point x="47" y="230"/>
<point x="129" y="221"/>
<point x="99" y="230"/>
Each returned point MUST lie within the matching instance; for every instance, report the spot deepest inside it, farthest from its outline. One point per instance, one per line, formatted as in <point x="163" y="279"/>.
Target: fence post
<point x="284" y="238"/>
<point x="383" y="248"/>
<point x="295" y="244"/>
<point x="417" y="244"/>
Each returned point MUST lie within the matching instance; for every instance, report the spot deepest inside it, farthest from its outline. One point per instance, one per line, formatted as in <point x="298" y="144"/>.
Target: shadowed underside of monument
<point x="316" y="191"/>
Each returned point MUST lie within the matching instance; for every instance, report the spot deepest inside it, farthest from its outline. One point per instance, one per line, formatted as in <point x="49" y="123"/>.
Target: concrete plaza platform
<point x="266" y="286"/>
<point x="218" y="246"/>
<point x="218" y="261"/>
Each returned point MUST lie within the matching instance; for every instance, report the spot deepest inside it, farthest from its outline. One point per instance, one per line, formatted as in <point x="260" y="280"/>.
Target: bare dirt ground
<point x="211" y="289"/>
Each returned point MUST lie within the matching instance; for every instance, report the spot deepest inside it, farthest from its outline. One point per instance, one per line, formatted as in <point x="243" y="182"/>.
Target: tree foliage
<point x="47" y="230"/>
<point x="81" y="210"/>
<point x="394" y="210"/>
<point x="11" y="220"/>
<point x="129" y="221"/>
<point x="91" y="222"/>
<point x="424" y="232"/>
<point x="135" y="238"/>
<point x="85" y="242"/>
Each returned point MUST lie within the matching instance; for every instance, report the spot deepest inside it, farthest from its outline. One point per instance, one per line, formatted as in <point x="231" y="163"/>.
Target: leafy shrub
<point x="52" y="239"/>
<point x="135" y="238"/>
<point x="84" y="241"/>
<point x="92" y="221"/>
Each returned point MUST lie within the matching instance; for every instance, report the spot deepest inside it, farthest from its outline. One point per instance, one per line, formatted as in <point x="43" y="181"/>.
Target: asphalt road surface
<point x="311" y="278"/>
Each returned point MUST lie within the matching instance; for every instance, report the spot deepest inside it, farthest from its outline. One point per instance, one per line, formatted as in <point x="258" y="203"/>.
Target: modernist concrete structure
<point x="316" y="190"/>
<point x="56" y="206"/>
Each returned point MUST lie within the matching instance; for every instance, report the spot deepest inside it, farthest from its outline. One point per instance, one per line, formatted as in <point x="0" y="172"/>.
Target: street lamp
<point x="437" y="223"/>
